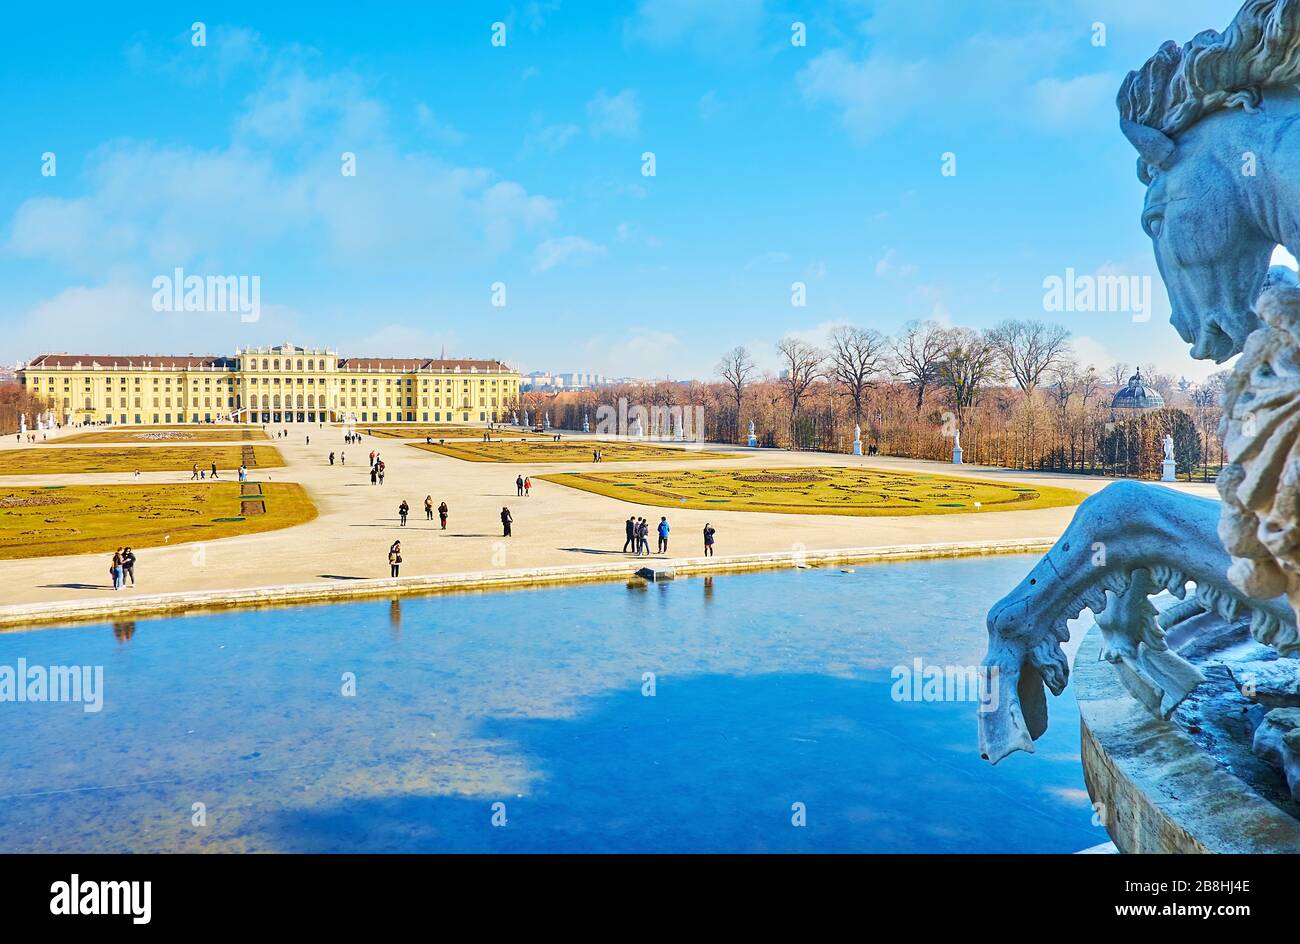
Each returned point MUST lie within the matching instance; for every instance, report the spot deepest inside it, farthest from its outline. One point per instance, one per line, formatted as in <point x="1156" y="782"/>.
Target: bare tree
<point x="1161" y="383"/>
<point x="801" y="365"/>
<point x="856" y="361"/>
<point x="918" y="351"/>
<point x="970" y="361"/>
<point x="1029" y="348"/>
<point x="1089" y="385"/>
<point x="1066" y="379"/>
<point x="736" y="367"/>
<point x="1118" y="374"/>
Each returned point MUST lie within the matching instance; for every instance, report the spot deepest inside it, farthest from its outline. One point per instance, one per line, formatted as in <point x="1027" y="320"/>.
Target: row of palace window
<point x="262" y="402"/>
<point x="302" y="416"/>
<point x="232" y="381"/>
<point x="266" y="401"/>
<point x="273" y="363"/>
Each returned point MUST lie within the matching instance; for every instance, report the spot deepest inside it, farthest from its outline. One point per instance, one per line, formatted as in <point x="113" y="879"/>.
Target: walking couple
<point x="442" y="511"/>
<point x="123" y="566"/>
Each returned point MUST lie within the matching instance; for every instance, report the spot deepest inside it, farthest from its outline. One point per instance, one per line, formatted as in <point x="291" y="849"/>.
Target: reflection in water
<point x="123" y="632"/>
<point x="771" y="688"/>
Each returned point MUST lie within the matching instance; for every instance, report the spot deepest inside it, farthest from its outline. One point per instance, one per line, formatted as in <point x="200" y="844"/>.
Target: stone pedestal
<point x="1157" y="790"/>
<point x="753" y="441"/>
<point x="956" y="456"/>
<point x="857" y="447"/>
<point x="1168" y="470"/>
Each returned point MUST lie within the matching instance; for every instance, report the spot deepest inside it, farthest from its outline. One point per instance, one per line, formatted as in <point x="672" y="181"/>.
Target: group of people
<point x="523" y="486"/>
<point x="637" y="531"/>
<point x="377" y="468"/>
<point x="428" y="511"/>
<point x="202" y="473"/>
<point x="403" y="510"/>
<point x="351" y="439"/>
<point x="638" y="535"/>
<point x="123" y="567"/>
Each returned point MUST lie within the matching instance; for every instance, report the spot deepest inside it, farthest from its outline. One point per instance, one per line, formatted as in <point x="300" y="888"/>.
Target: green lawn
<point x="43" y="521"/>
<point x="165" y="434"/>
<point x="818" y="491"/>
<point x="440" y="431"/>
<point x="51" y="459"/>
<point x="564" y="451"/>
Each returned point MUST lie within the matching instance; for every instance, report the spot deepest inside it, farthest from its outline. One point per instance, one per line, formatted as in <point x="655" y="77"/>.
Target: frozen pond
<point x="769" y="690"/>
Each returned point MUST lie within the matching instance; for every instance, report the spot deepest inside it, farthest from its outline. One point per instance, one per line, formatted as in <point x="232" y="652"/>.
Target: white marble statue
<point x="1169" y="448"/>
<point x="753" y="438"/>
<point x="586" y="427"/>
<point x="857" y="439"/>
<point x="1213" y="229"/>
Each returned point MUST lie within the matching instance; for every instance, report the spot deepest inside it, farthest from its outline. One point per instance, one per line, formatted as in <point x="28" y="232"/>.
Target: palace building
<point x="281" y="384"/>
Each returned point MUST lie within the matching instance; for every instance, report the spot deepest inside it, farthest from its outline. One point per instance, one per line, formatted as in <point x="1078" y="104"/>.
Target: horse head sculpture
<point x="1215" y="126"/>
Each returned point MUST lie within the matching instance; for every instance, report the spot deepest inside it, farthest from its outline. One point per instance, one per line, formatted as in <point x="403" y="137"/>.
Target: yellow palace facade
<point x="280" y="384"/>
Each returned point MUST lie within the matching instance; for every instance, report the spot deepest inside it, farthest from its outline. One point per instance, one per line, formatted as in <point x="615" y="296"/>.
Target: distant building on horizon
<point x="278" y="384"/>
<point x="573" y="380"/>
<point x="1136" y="396"/>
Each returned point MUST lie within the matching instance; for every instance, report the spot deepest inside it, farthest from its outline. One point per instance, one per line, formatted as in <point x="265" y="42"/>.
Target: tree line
<point x="1017" y="392"/>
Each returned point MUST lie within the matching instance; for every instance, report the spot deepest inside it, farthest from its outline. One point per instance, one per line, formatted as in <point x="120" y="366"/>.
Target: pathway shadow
<point x="711" y="763"/>
<point x="592" y="550"/>
<point x="76" y="586"/>
<point x="340" y="577"/>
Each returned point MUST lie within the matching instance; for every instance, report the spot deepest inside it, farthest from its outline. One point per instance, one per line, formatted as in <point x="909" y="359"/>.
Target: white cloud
<point x="873" y="95"/>
<point x="230" y="50"/>
<point x="292" y="105"/>
<point x="1063" y="104"/>
<point x="551" y="138"/>
<point x="640" y="352"/>
<point x="117" y="316"/>
<point x="554" y="252"/>
<point x="719" y="26"/>
<point x="618" y="115"/>
<point x="1088" y="351"/>
<point x="888" y="266"/>
<point x="439" y="130"/>
<point x="710" y="106"/>
<point x="279" y="179"/>
<point x="384" y="340"/>
<point x="874" y="92"/>
<point x="770" y="258"/>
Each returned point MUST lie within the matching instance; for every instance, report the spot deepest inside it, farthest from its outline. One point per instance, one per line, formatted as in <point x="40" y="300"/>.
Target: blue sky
<point x="522" y="165"/>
